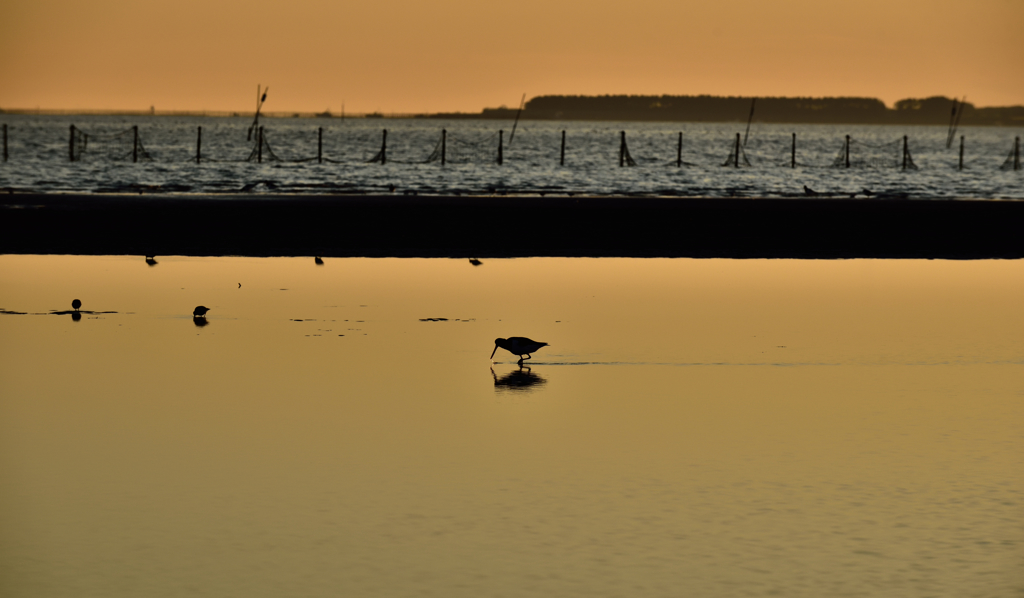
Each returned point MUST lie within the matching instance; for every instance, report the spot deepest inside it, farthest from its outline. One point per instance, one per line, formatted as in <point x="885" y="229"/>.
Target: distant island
<point x="928" y="111"/>
<point x="935" y="110"/>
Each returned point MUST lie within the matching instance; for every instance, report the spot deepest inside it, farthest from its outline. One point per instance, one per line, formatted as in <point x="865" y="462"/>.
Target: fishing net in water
<point x="354" y="146"/>
<point x="468" y="149"/>
<point x="860" y="154"/>
<point x="118" y="146"/>
<point x="439" y="149"/>
<point x="1012" y="161"/>
<point x="262" y="150"/>
<point x="737" y="157"/>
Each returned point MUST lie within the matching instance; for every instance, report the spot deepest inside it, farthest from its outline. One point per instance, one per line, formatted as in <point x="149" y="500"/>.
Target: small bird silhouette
<point x="200" y="311"/>
<point x="151" y="260"/>
<point x="318" y="261"/>
<point x="810" y="192"/>
<point x="517" y="345"/>
<point x="475" y="261"/>
<point x="76" y="304"/>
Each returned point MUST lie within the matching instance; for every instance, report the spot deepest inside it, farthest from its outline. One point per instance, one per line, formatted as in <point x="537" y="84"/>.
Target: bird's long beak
<point x="494" y="351"/>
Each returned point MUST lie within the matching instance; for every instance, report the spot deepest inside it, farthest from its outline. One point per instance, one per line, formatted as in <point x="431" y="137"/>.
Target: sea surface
<point x="39" y="158"/>
<point x="708" y="428"/>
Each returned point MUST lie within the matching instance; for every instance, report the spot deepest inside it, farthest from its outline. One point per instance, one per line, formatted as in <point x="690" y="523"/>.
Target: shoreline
<point x="509" y="226"/>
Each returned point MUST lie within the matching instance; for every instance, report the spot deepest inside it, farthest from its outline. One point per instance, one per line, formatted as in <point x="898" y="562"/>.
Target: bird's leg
<point x="528" y="356"/>
<point x="520" y="360"/>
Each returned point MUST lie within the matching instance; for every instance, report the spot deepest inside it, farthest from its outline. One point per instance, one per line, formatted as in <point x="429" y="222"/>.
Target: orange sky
<point x="413" y="56"/>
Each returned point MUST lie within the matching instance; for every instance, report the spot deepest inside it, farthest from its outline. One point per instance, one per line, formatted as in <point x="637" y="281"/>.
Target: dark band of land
<point x="509" y="226"/>
<point x="937" y="110"/>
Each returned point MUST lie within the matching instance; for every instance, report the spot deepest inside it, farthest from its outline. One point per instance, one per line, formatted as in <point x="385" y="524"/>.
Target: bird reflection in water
<point x="318" y="261"/>
<point x="151" y="260"/>
<point x="76" y="316"/>
<point x="521" y="380"/>
<point x="199" y="315"/>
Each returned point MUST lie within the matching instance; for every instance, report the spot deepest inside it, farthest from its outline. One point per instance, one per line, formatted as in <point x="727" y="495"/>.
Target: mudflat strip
<point x="509" y="226"/>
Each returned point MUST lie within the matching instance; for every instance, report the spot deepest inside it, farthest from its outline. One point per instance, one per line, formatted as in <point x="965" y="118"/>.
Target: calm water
<point x="39" y="158"/>
<point x="696" y="428"/>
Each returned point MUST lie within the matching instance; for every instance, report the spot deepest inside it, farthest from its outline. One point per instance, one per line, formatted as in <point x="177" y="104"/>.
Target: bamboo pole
<point x="847" y="151"/>
<point x="71" y="145"/>
<point x="622" y="150"/>
<point x="961" y="166"/>
<point x="319" y="145"/>
<point x="501" y="139"/>
<point x="135" y="143"/>
<point x="444" y="146"/>
<point x="792" y="153"/>
<point x="199" y="144"/>
<point x="561" y="158"/>
<point x="737" y="160"/>
<point x="905" y="154"/>
<point x="679" y="151"/>
<point x="384" y="147"/>
<point x="5" y="143"/>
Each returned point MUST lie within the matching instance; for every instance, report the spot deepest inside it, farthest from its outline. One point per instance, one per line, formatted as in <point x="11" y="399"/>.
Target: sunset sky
<point x="456" y="55"/>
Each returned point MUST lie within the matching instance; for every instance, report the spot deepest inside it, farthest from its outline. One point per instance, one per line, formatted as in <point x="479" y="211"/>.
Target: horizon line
<point x="152" y="111"/>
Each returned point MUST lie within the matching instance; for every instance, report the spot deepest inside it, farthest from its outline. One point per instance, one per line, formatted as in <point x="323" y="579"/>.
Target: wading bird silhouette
<point x="517" y="345"/>
<point x="200" y="311"/>
<point x="75" y="304"/>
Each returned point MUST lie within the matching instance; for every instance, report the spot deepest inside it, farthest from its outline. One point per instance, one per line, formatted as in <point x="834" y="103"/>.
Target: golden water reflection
<point x="712" y="428"/>
<point x="521" y="379"/>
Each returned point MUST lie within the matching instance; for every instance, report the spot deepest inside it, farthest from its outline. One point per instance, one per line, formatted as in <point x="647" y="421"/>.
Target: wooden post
<point x="384" y="148"/>
<point x="5" y="143"/>
<point x="905" y="152"/>
<point x="679" y="151"/>
<point x="259" y="145"/>
<point x="622" y="150"/>
<point x="199" y="144"/>
<point x="319" y="145"/>
<point x="135" y="143"/>
<point x="737" y="150"/>
<point x="847" y="151"/>
<point x="1016" y="153"/>
<point x="561" y="158"/>
<point x="71" y="145"/>
<point x="792" y="153"/>
<point x="444" y="145"/>
<point x="501" y="138"/>
<point x="961" y="153"/>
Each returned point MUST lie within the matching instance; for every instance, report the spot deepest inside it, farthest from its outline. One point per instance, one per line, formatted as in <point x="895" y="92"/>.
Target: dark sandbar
<point x="508" y="226"/>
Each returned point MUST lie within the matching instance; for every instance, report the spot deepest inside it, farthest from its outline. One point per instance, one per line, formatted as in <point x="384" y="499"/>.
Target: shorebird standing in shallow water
<point x="517" y="345"/>
<point x="75" y="304"/>
<point x="200" y="311"/>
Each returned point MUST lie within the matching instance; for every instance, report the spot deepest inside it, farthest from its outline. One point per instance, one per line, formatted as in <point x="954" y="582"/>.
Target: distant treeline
<point x="929" y="111"/>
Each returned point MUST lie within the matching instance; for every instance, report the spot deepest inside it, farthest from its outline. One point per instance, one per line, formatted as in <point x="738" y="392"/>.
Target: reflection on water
<point x="519" y="380"/>
<point x="200" y="321"/>
<point x="711" y="428"/>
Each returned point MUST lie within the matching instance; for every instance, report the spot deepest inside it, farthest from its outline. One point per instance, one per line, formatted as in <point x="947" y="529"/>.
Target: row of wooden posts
<point x="735" y="161"/>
